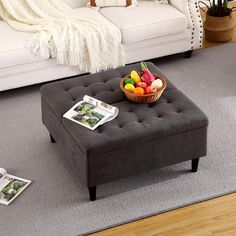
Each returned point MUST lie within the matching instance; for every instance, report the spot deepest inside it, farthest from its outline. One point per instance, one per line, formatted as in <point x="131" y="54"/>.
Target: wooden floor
<point x="215" y="217"/>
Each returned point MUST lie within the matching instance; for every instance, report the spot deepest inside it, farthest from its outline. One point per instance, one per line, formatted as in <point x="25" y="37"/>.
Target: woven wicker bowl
<point x="146" y="98"/>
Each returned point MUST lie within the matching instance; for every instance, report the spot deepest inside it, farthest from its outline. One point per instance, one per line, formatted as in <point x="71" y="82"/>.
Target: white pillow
<point x="159" y="1"/>
<point x="112" y="3"/>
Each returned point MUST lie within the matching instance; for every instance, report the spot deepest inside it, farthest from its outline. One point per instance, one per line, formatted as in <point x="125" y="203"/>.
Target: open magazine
<point x="10" y="187"/>
<point x="91" y="112"/>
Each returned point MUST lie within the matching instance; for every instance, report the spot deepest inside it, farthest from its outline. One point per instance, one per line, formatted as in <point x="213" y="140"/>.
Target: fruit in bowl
<point x="129" y="81"/>
<point x="139" y="90"/>
<point x="141" y="85"/>
<point x="146" y="75"/>
<point x="129" y="87"/>
<point x="157" y="84"/>
<point x="149" y="82"/>
<point x="144" y="86"/>
<point x="150" y="90"/>
<point x="135" y="76"/>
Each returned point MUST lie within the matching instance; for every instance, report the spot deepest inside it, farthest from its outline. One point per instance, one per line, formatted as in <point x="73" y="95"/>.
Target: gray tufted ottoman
<point x="141" y="138"/>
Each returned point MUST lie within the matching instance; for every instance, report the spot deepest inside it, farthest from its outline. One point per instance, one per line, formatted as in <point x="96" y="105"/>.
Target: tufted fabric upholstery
<point x="136" y="125"/>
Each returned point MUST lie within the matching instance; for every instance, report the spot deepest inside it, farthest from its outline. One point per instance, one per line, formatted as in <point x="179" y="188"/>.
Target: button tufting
<point x="150" y="105"/>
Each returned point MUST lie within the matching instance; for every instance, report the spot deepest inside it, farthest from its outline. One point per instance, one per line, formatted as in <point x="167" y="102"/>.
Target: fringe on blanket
<point x="71" y="39"/>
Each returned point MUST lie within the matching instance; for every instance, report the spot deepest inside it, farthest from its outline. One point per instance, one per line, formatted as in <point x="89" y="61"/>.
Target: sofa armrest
<point x="191" y="10"/>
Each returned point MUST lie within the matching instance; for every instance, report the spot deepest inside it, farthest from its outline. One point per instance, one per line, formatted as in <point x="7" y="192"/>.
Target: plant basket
<point x="146" y="98"/>
<point x="218" y="29"/>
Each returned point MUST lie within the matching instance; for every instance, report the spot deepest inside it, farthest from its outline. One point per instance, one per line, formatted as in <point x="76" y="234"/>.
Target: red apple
<point x="141" y="85"/>
<point x="150" y="90"/>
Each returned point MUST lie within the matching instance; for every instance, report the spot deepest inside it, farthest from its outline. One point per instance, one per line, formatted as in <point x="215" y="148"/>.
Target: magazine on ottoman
<point x="10" y="187"/>
<point x="91" y="112"/>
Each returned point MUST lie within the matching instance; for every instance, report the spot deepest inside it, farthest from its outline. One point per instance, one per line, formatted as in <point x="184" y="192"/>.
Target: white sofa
<point x="148" y="31"/>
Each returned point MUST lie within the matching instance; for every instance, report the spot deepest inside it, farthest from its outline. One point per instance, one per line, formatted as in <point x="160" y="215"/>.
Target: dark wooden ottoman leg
<point x="52" y="139"/>
<point x="195" y="164"/>
<point x="92" y="193"/>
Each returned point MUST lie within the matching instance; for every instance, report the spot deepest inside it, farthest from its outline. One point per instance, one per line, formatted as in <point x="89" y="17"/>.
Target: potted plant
<point x="219" y="24"/>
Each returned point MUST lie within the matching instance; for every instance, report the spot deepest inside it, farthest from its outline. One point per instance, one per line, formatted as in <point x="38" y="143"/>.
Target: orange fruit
<point x="139" y="91"/>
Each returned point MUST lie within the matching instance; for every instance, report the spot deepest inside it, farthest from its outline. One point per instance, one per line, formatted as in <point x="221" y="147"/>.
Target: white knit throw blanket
<point x="73" y="40"/>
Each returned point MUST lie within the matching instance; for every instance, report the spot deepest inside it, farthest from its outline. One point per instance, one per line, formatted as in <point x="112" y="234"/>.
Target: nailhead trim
<point x="200" y="26"/>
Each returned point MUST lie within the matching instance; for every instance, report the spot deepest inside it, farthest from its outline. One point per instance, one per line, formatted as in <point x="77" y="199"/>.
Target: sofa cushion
<point x="148" y="20"/>
<point x="13" y="47"/>
<point x="13" y="44"/>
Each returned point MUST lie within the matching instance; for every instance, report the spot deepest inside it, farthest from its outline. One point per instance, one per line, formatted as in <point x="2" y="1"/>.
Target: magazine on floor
<point x="91" y="112"/>
<point x="10" y="187"/>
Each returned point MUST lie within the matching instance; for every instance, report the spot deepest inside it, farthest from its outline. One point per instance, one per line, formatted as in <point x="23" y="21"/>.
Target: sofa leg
<point x="188" y="54"/>
<point x="92" y="193"/>
<point x="52" y="139"/>
<point x="195" y="164"/>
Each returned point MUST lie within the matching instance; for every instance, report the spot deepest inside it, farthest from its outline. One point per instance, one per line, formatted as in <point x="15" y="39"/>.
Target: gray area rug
<point x="56" y="204"/>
